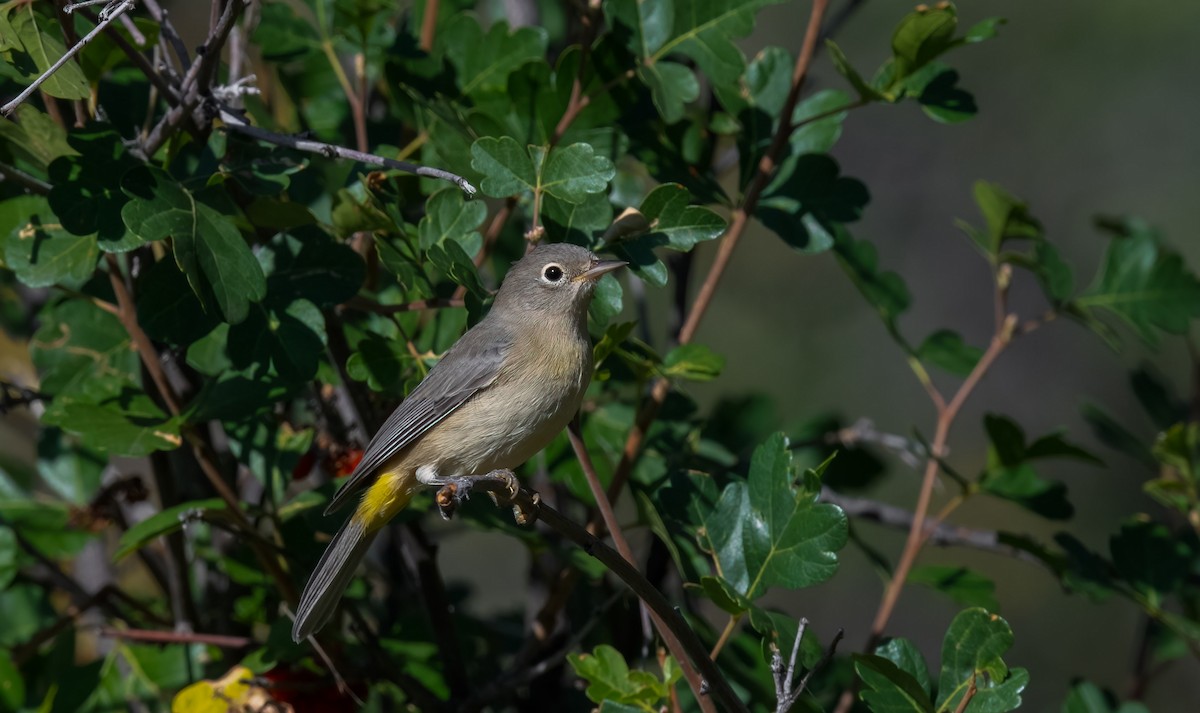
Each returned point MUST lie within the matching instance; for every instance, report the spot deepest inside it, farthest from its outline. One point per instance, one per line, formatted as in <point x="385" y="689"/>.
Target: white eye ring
<point x="552" y="273"/>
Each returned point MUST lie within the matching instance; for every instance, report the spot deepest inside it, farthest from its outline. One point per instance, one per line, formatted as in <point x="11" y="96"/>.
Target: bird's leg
<point x="501" y="484"/>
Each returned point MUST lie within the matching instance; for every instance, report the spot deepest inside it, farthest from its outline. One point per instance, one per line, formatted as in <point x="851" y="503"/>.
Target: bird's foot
<point x="501" y="484"/>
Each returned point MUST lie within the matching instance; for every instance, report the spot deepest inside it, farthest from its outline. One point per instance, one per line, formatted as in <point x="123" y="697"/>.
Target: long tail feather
<point x="331" y="577"/>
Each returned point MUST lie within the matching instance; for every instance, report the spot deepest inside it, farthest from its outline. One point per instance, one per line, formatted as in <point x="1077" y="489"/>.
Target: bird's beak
<point x="603" y="267"/>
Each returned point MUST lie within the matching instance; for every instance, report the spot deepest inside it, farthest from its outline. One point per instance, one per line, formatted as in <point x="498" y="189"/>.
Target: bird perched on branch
<point x="497" y="397"/>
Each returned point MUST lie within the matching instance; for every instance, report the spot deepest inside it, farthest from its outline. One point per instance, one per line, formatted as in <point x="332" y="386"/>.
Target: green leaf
<point x="768" y="80"/>
<point x="609" y="679"/>
<point x="937" y="91"/>
<point x="12" y="684"/>
<point x="47" y="526"/>
<point x="1108" y="431"/>
<point x="83" y="351"/>
<point x="34" y="136"/>
<point x="920" y="37"/>
<point x="449" y="217"/>
<point x="865" y="91"/>
<point x="808" y="201"/>
<point x="971" y="654"/>
<point x="723" y="594"/>
<point x="885" y="291"/>
<point x="166" y="312"/>
<point x="41" y="39"/>
<point x="964" y="586"/>
<point x="1145" y="284"/>
<point x="1149" y="556"/>
<point x="672" y="87"/>
<point x="290" y="337"/>
<point x="572" y="172"/>
<point x="703" y="30"/>
<point x="766" y="533"/>
<point x="129" y="424"/>
<point x="505" y="165"/>
<point x="664" y="219"/>
<point x="208" y="248"/>
<point x="675" y="221"/>
<point x="283" y="35"/>
<point x="569" y="173"/>
<point x="888" y="689"/>
<point x="454" y="262"/>
<point x="86" y="195"/>
<point x="1006" y="218"/>
<point x="8" y="566"/>
<point x="905" y="655"/>
<point x="1156" y="395"/>
<point x="379" y="362"/>
<point x="483" y="61"/>
<point x="577" y="223"/>
<point x="946" y="349"/>
<point x="164" y="523"/>
<point x="42" y="253"/>
<point x="311" y="265"/>
<point x="1086" y="697"/>
<point x="693" y="362"/>
<point x="71" y="472"/>
<point x="1009" y="474"/>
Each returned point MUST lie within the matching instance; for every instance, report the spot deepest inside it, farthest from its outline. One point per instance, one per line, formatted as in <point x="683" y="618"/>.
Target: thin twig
<point x="429" y="25"/>
<point x="918" y="532"/>
<point x="937" y="533"/>
<point x="168" y="31"/>
<point x="785" y="695"/>
<point x="74" y="49"/>
<point x="176" y="637"/>
<point x="29" y="182"/>
<point x="966" y="699"/>
<point x="196" y="83"/>
<point x="237" y="124"/>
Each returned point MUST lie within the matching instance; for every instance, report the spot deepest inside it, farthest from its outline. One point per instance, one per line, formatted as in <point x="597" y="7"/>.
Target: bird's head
<point x="554" y="278"/>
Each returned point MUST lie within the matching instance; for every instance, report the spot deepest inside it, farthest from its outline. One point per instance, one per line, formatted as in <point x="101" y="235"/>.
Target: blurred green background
<point x="1084" y="109"/>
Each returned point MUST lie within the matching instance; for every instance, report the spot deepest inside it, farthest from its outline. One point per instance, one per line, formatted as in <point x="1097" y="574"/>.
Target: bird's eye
<point x="552" y="273"/>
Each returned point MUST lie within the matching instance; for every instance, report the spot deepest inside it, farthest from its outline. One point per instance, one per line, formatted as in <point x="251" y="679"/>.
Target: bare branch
<point x="236" y="123"/>
<point x="30" y="183"/>
<point x="105" y="20"/>
<point x="168" y="31"/>
<point x="939" y="533"/>
<point x="785" y="695"/>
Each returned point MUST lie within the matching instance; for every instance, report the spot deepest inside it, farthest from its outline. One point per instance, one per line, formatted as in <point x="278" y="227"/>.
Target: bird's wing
<point x="473" y="363"/>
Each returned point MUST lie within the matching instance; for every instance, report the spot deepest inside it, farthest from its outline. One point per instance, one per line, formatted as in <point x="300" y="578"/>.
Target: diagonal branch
<point x="614" y="529"/>
<point x="105" y="21"/>
<point x="236" y="123"/>
<point x="737" y="227"/>
<point x="127" y="313"/>
<point x="528" y="507"/>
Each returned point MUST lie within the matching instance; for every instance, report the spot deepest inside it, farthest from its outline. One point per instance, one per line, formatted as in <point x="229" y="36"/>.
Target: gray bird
<point x="497" y="397"/>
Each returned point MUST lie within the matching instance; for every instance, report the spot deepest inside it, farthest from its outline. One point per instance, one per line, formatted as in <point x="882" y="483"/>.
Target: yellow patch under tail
<point x="388" y="495"/>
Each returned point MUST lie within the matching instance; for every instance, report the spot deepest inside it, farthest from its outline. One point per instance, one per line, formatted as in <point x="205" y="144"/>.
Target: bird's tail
<point x="331" y="577"/>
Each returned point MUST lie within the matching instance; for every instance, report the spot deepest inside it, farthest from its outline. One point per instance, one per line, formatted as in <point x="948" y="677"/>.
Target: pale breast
<point x="538" y="391"/>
